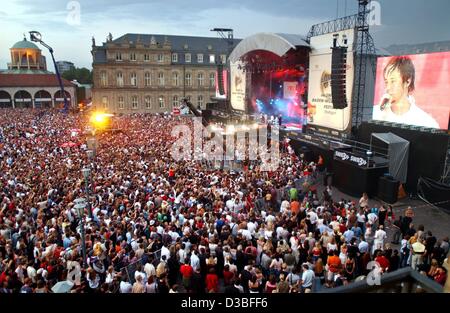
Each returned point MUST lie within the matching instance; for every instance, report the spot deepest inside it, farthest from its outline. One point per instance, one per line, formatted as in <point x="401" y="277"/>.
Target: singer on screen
<point x="398" y="104"/>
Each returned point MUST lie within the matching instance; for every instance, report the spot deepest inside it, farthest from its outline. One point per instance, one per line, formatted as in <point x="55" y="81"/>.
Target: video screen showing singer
<point x="398" y="104"/>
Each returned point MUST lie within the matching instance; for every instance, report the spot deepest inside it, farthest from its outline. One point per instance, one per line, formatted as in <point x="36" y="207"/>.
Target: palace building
<point x="138" y="73"/>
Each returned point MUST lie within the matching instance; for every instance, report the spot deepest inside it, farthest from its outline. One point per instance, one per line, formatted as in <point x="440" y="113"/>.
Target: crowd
<point x="160" y="226"/>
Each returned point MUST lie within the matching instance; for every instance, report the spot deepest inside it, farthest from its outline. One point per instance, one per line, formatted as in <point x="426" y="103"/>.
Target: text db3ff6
<point x="246" y="302"/>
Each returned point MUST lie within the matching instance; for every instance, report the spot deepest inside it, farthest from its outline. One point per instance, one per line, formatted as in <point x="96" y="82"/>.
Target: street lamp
<point x="90" y="154"/>
<point x="86" y="171"/>
<point x="80" y="205"/>
<point x="37" y="37"/>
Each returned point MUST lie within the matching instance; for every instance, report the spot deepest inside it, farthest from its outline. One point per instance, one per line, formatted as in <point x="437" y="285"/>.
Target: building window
<point x="161" y="102"/>
<point x="212" y="58"/>
<point x="175" y="101"/>
<point x="146" y="57"/>
<point x="174" y="57"/>
<point x="103" y="79"/>
<point x="188" y="79"/>
<point x="121" y="102"/>
<point x="187" y="58"/>
<point x="161" y="79"/>
<point x="176" y="79"/>
<point x="105" y="102"/>
<point x="200" y="79"/>
<point x="118" y="56"/>
<point x="134" y="102"/>
<point x="223" y="58"/>
<point x="119" y="79"/>
<point x="188" y="98"/>
<point x="133" y="79"/>
<point x="200" y="58"/>
<point x="200" y="101"/>
<point x="133" y="56"/>
<point x="212" y="79"/>
<point x="148" y="102"/>
<point x="147" y="79"/>
<point x="160" y="57"/>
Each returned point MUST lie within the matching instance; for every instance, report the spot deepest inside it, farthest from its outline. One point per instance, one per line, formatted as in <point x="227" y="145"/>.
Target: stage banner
<point x="320" y="105"/>
<point x="290" y="90"/>
<point x="350" y="158"/>
<point x="237" y="86"/>
<point x="413" y="90"/>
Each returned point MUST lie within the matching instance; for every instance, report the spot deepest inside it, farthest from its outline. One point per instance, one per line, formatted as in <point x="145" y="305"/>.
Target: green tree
<point x="82" y="75"/>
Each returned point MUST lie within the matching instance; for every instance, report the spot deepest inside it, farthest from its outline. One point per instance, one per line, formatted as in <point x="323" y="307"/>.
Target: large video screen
<point x="320" y="105"/>
<point x="413" y="90"/>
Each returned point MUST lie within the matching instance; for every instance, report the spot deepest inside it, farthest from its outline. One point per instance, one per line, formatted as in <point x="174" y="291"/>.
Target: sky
<point x="70" y="33"/>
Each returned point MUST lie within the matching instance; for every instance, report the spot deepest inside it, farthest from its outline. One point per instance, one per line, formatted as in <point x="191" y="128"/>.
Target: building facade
<point x="139" y="73"/>
<point x="26" y="57"/>
<point x="27" y="83"/>
<point x="64" y="66"/>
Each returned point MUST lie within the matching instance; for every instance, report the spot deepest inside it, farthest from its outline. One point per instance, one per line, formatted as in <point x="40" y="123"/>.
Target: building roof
<point x="24" y="71"/>
<point x="25" y="44"/>
<point x="31" y="80"/>
<point x="275" y="42"/>
<point x="419" y="48"/>
<point x="178" y="42"/>
<point x="213" y="45"/>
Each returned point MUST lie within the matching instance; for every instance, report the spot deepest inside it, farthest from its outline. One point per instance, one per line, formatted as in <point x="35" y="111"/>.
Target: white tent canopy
<point x="398" y="153"/>
<point x="274" y="42"/>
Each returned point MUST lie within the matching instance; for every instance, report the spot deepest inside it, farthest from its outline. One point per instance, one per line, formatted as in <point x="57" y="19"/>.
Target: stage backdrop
<point x="320" y="106"/>
<point x="237" y="86"/>
<point x="431" y="94"/>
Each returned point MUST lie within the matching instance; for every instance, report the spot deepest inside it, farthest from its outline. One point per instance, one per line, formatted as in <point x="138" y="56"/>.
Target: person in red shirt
<point x="212" y="281"/>
<point x="227" y="275"/>
<point x="440" y="277"/>
<point x="383" y="261"/>
<point x="186" y="271"/>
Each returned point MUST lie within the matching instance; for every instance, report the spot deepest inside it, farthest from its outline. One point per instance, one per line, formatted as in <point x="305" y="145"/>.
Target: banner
<point x="290" y="90"/>
<point x="351" y="158"/>
<point x="320" y="105"/>
<point x="237" y="86"/>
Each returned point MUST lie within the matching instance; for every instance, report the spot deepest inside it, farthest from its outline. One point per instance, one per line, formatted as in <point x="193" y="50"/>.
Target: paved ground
<point x="433" y="218"/>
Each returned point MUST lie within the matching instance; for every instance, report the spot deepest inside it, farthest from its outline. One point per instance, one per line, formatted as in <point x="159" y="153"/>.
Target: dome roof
<point x="25" y="44"/>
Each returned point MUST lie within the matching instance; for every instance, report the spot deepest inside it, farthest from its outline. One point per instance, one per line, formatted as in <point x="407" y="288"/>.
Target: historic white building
<point x="27" y="83"/>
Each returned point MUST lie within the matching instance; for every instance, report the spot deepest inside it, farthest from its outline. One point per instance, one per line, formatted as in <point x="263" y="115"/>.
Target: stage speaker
<point x="388" y="189"/>
<point x="220" y="79"/>
<point x="328" y="179"/>
<point x="339" y="77"/>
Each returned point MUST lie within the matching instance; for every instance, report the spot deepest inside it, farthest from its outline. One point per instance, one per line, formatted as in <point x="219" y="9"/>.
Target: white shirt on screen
<point x="415" y="116"/>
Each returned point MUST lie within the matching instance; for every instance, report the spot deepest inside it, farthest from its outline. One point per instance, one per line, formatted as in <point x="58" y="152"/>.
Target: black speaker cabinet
<point x="339" y="77"/>
<point x="388" y="189"/>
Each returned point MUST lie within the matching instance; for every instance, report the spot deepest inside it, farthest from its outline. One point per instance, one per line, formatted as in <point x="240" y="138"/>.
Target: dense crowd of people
<point x="160" y="226"/>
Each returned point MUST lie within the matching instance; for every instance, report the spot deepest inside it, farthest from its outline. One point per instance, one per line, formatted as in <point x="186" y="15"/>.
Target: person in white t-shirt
<point x="398" y="105"/>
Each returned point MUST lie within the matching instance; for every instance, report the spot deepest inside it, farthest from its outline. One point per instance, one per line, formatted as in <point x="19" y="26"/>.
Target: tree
<point x="82" y="75"/>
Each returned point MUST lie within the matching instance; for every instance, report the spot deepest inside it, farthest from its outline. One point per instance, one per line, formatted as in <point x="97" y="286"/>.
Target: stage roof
<point x="277" y="43"/>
